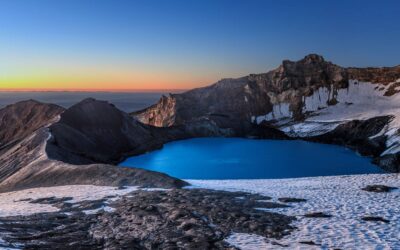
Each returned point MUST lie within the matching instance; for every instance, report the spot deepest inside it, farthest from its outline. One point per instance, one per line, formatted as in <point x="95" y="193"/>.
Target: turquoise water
<point x="235" y="158"/>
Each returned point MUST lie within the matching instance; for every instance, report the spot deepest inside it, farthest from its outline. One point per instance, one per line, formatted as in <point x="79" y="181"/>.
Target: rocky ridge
<point x="32" y="159"/>
<point x="19" y="120"/>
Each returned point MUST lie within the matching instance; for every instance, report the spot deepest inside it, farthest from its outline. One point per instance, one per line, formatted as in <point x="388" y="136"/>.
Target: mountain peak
<point x="310" y="59"/>
<point x="313" y="58"/>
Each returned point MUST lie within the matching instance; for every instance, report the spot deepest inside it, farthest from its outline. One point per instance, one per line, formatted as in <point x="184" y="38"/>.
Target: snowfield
<point x="338" y="196"/>
<point x="360" y="101"/>
<point x="17" y="203"/>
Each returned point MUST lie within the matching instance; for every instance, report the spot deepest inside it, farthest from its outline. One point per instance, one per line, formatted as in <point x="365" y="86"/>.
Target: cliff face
<point x="281" y="91"/>
<point x="306" y="98"/>
<point x="161" y="114"/>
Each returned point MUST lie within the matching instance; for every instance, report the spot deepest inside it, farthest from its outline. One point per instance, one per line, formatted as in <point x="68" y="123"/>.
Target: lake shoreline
<point x="210" y="158"/>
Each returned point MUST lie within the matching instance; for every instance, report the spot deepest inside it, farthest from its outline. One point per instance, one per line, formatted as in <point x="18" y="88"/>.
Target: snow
<point x="319" y="99"/>
<point x="309" y="128"/>
<point x="16" y="203"/>
<point x="359" y="101"/>
<point x="279" y="111"/>
<point x="248" y="241"/>
<point x="339" y="196"/>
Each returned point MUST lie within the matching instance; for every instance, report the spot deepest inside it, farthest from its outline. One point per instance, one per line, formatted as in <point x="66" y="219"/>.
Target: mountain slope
<point x="99" y="132"/>
<point x="21" y="119"/>
<point x="30" y="158"/>
<point x="306" y="98"/>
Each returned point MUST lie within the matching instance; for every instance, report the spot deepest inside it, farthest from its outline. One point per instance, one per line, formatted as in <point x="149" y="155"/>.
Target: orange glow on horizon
<point x="88" y="90"/>
<point x="103" y="81"/>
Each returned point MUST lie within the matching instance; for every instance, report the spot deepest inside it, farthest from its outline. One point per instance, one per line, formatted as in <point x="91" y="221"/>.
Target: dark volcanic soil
<point x="174" y="219"/>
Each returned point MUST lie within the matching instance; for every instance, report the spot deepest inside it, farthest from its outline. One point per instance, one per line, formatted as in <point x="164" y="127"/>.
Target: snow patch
<point x="279" y="111"/>
<point x="359" y="101"/>
<point x="248" y="241"/>
<point x="339" y="196"/>
<point x="309" y="128"/>
<point x="17" y="203"/>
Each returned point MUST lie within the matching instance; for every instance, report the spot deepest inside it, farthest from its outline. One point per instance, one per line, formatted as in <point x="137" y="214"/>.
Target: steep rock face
<point x="226" y="98"/>
<point x="21" y="119"/>
<point x="98" y="132"/>
<point x="278" y="94"/>
<point x="161" y="114"/>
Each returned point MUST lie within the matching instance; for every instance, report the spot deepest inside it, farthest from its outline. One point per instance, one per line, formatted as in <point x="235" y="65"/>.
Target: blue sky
<point x="184" y="44"/>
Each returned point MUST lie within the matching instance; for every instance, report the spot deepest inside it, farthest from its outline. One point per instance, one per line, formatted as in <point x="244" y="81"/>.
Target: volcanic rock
<point x="171" y="219"/>
<point x="96" y="131"/>
<point x="378" y="188"/>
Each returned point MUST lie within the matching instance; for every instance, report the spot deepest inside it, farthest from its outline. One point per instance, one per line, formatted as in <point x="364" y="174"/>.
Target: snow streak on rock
<point x="327" y="108"/>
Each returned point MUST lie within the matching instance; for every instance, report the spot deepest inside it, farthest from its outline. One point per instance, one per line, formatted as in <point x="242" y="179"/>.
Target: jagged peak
<point x="313" y="58"/>
<point x="308" y="59"/>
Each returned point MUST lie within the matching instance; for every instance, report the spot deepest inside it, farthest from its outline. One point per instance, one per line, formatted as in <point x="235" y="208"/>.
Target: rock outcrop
<point x="256" y="94"/>
<point x="307" y="98"/>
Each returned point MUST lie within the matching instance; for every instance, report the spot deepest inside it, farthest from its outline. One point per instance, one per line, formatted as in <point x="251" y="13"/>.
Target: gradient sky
<point x="128" y="45"/>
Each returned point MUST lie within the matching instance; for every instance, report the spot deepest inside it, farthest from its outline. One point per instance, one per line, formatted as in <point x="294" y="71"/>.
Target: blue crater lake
<point x="236" y="158"/>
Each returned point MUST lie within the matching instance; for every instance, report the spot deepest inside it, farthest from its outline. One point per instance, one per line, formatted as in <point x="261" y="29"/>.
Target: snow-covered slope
<point x="341" y="197"/>
<point x="326" y="108"/>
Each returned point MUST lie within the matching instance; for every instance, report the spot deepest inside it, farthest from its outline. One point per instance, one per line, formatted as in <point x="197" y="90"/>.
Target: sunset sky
<point x="137" y="45"/>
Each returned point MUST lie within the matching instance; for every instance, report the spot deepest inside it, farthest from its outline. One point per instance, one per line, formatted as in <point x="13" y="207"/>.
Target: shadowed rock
<point x="97" y="132"/>
<point x="378" y="188"/>
<point x="375" y="218"/>
<point x="317" y="215"/>
<point x="308" y="242"/>
<point x="289" y="199"/>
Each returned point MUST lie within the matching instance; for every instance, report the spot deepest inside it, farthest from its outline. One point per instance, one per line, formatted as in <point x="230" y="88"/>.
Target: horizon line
<point x="90" y="90"/>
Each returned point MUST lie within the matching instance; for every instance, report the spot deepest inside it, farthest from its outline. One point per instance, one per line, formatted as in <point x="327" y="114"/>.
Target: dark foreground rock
<point x="375" y="218"/>
<point x="175" y="219"/>
<point x="290" y="199"/>
<point x="378" y="188"/>
<point x="309" y="242"/>
<point x="317" y="215"/>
